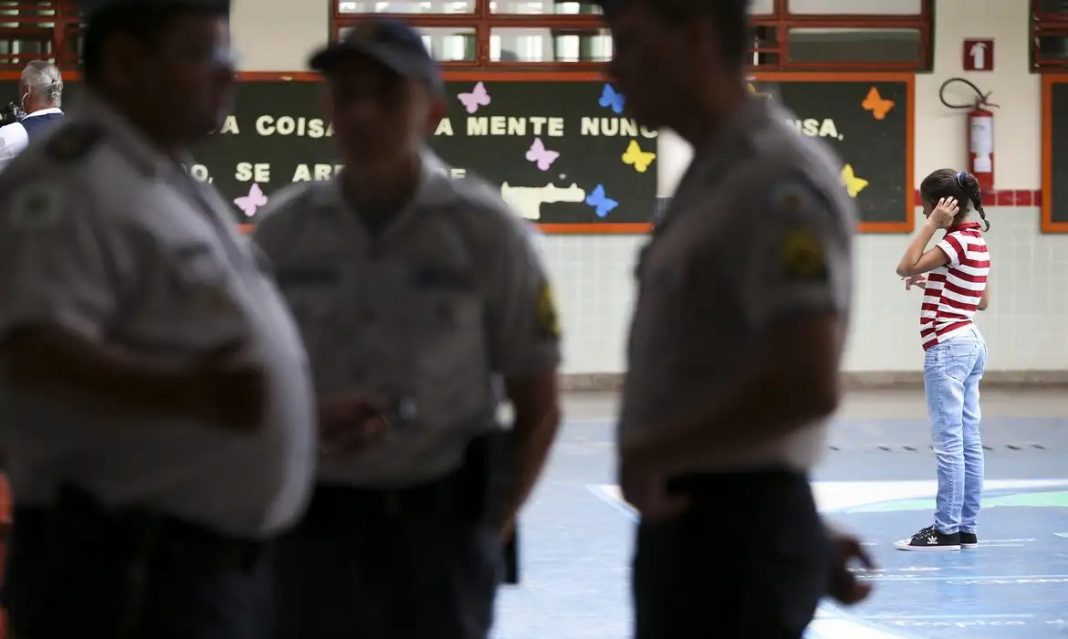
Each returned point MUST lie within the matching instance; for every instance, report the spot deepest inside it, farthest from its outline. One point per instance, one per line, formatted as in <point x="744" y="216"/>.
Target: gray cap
<point x="390" y="42"/>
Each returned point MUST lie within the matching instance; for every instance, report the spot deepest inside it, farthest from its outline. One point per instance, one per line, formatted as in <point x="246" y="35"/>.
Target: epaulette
<point x="74" y="141"/>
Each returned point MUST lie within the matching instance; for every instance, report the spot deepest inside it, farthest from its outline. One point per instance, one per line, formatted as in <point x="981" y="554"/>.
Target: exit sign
<point x="979" y="55"/>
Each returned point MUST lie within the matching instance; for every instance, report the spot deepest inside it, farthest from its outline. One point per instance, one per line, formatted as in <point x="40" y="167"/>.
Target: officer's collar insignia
<point x="74" y="141"/>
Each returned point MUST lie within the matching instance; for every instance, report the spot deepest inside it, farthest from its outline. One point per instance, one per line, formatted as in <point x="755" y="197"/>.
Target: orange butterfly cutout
<point x="877" y="105"/>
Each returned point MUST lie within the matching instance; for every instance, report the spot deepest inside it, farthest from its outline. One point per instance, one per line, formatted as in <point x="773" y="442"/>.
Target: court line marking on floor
<point x="883" y="617"/>
<point x="983" y="580"/>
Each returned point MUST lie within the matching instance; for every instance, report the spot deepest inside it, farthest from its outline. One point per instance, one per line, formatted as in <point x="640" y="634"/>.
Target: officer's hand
<point x="227" y="390"/>
<point x="348" y="424"/>
<point x="645" y="488"/>
<point x="945" y="212"/>
<point x="844" y="585"/>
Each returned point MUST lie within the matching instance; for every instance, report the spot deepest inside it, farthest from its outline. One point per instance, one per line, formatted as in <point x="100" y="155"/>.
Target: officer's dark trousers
<point x="748" y="561"/>
<point x="382" y="565"/>
<point x="67" y="580"/>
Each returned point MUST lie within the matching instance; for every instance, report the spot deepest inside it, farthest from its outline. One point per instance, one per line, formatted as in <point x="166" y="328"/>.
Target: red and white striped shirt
<point x="954" y="290"/>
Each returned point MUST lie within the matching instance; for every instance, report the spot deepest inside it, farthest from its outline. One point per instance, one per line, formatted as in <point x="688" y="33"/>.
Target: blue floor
<point x="876" y="481"/>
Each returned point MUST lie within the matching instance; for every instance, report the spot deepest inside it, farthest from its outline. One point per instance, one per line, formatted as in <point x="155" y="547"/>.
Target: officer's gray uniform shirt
<point x="107" y="238"/>
<point x="426" y="314"/>
<point x="759" y="232"/>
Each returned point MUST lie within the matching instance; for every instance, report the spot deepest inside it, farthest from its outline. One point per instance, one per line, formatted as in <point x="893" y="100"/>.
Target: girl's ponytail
<point x="970" y="186"/>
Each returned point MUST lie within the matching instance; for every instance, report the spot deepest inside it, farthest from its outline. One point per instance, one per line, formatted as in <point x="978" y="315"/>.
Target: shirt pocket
<point x="200" y="295"/>
<point x="313" y="294"/>
<point x="447" y="334"/>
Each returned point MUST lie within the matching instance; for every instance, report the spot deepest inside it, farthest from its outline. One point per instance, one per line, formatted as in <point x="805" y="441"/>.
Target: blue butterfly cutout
<point x="612" y="99"/>
<point x="601" y="202"/>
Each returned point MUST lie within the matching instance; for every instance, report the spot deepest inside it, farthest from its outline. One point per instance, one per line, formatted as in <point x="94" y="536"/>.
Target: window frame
<point x="1044" y="23"/>
<point x="67" y="25"/>
<point x="781" y="19"/>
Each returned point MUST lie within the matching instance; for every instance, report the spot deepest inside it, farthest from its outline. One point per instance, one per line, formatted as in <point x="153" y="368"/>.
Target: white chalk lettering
<point x="247" y="171"/>
<point x="444" y="127"/>
<point x="200" y="173"/>
<point x="230" y="126"/>
<point x="285" y="125"/>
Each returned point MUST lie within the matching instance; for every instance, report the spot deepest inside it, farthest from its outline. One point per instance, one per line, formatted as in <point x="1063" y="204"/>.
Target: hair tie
<point x="960" y="179"/>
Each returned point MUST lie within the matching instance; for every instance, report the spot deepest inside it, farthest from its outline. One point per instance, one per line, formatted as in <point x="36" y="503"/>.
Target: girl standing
<point x="954" y="276"/>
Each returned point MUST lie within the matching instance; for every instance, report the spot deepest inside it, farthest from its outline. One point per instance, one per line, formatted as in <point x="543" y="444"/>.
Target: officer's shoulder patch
<point x="74" y="141"/>
<point x="792" y="196"/>
<point x="546" y="315"/>
<point x="803" y="255"/>
<point x="36" y="206"/>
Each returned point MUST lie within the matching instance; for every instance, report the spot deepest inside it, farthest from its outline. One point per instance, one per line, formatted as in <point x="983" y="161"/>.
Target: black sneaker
<point x="930" y="539"/>
<point x="969" y="540"/>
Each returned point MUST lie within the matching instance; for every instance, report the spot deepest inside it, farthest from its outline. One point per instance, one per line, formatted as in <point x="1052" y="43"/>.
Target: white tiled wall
<point x="1026" y="326"/>
<point x="593" y="277"/>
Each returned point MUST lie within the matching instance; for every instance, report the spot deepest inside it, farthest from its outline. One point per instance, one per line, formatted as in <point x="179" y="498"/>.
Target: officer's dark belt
<point x="337" y="506"/>
<point x="136" y="534"/>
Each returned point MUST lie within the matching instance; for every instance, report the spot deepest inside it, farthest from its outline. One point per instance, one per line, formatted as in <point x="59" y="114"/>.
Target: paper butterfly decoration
<point x="853" y="184"/>
<point x="601" y="203"/>
<point x="253" y="201"/>
<point x="479" y="97"/>
<point x="541" y="156"/>
<point x="637" y="158"/>
<point x="612" y="99"/>
<point x="877" y="105"/>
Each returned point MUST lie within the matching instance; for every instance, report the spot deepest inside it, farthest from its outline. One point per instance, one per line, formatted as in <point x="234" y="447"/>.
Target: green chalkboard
<point x="868" y="125"/>
<point x="561" y="151"/>
<point x="556" y="153"/>
<point x="1055" y="210"/>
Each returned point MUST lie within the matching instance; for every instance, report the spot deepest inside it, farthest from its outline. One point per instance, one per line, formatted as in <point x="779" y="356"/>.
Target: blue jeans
<point x="952" y="371"/>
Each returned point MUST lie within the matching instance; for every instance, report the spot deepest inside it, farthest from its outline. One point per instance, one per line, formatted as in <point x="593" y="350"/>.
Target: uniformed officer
<point x="41" y="95"/>
<point x="735" y="342"/>
<point x="418" y="294"/>
<point x="161" y="411"/>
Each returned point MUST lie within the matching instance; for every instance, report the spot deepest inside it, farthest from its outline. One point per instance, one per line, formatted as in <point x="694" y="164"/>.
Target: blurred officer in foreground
<point x="735" y="343"/>
<point x="41" y="98"/>
<point x="161" y="406"/>
<point x="417" y="293"/>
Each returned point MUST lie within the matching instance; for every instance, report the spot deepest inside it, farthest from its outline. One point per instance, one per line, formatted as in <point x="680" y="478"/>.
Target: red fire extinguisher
<point x="980" y="133"/>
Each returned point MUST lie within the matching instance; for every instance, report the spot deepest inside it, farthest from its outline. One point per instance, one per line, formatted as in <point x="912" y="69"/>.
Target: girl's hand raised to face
<point x="943" y="215"/>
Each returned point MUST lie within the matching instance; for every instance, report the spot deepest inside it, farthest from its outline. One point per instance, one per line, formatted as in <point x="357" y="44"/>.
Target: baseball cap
<point x="389" y="42"/>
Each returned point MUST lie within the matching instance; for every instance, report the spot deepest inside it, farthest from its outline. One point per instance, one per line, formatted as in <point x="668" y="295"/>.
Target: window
<point x="787" y="34"/>
<point x="1049" y="34"/>
<point x="499" y="33"/>
<point x="842" y="35"/>
<point x="49" y="30"/>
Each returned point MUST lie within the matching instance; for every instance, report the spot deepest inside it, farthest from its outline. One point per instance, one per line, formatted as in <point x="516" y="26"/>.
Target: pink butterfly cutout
<point x="479" y="97"/>
<point x="542" y="156"/>
<point x="253" y="201"/>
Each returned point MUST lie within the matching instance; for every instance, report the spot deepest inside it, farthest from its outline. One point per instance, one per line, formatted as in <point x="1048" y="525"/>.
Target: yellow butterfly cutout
<point x="853" y="184"/>
<point x="753" y="91"/>
<point x="637" y="158"/>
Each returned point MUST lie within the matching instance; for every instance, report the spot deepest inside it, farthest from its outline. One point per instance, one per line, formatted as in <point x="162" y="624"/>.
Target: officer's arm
<point x="537" y="417"/>
<point x="52" y="358"/>
<point x="524" y="345"/>
<point x="62" y="289"/>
